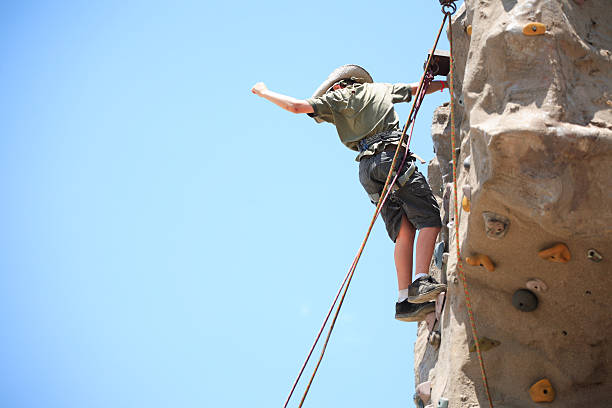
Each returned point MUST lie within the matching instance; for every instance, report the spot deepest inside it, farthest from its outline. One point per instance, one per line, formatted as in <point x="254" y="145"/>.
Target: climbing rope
<point x="421" y="91"/>
<point x="468" y="302"/>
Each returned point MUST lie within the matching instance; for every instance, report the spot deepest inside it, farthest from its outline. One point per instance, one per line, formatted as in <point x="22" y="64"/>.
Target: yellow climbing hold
<point x="534" y="29"/>
<point x="542" y="391"/>
<point x="557" y="253"/>
<point x="481" y="260"/>
<point x="468" y="30"/>
<point x="465" y="203"/>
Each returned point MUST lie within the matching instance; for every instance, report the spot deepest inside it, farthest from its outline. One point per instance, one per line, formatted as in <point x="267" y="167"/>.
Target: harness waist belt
<point x="386" y="136"/>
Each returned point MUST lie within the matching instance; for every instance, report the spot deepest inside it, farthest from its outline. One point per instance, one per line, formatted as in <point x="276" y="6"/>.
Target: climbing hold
<point x="481" y="260"/>
<point x="418" y="402"/>
<point x="542" y="391"/>
<point x="434" y="339"/>
<point x="439" y="304"/>
<point x="467" y="196"/>
<point x="467" y="191"/>
<point x="468" y="30"/>
<point x="537" y="285"/>
<point x="455" y="280"/>
<point x="485" y="343"/>
<point x="496" y="226"/>
<point x="467" y="162"/>
<point x="423" y="390"/>
<point x="443" y="402"/>
<point x="461" y="100"/>
<point x="594" y="256"/>
<point x="534" y="29"/>
<point x="525" y="300"/>
<point x="557" y="253"/>
<point x="446" y="202"/>
<point x="438" y="253"/>
<point x="445" y="258"/>
<point x="465" y="204"/>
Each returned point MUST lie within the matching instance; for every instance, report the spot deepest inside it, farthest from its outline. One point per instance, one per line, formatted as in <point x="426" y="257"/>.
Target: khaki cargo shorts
<point x="414" y="199"/>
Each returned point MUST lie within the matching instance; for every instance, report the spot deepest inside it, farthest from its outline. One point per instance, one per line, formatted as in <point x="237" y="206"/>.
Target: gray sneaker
<point x="425" y="289"/>
<point x="412" y="312"/>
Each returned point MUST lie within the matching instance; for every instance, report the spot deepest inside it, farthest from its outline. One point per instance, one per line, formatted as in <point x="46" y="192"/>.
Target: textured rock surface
<point x="534" y="114"/>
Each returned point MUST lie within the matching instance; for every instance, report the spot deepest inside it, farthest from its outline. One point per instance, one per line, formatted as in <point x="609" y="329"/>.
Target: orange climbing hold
<point x="465" y="203"/>
<point x="534" y="29"/>
<point x="542" y="391"/>
<point x="481" y="260"/>
<point x="468" y="30"/>
<point x="557" y="253"/>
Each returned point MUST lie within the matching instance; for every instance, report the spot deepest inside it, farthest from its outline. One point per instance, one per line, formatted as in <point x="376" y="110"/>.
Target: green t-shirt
<point x="360" y="110"/>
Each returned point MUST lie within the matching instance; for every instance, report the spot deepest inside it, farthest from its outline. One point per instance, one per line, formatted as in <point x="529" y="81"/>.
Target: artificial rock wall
<point x="533" y="104"/>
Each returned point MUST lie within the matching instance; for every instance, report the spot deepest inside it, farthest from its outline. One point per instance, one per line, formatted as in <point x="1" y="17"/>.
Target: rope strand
<point x="384" y="195"/>
<point x="460" y="270"/>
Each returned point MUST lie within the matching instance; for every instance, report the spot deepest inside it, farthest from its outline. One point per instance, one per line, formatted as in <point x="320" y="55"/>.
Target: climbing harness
<point x="448" y="8"/>
<point x="401" y="181"/>
<point x="367" y="143"/>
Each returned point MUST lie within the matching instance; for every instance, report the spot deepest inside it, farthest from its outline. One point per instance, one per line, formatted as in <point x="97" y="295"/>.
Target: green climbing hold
<point x="525" y="300"/>
<point x="418" y="401"/>
<point x="438" y="254"/>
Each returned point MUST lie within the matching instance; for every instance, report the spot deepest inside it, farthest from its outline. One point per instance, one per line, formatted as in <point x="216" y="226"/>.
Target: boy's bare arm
<point x="433" y="87"/>
<point x="286" y="102"/>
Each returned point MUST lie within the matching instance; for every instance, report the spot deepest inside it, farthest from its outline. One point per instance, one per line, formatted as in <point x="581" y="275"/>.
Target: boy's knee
<point x="406" y="227"/>
<point x="431" y="230"/>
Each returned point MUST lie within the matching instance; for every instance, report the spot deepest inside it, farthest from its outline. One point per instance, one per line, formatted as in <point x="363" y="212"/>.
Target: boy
<point x="366" y="121"/>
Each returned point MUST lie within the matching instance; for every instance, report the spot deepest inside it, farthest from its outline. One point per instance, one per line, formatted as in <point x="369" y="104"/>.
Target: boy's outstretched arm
<point x="286" y="102"/>
<point x="433" y="87"/>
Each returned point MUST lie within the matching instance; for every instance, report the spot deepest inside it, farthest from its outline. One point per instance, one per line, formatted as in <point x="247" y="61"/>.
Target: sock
<point x="403" y="295"/>
<point x="420" y="275"/>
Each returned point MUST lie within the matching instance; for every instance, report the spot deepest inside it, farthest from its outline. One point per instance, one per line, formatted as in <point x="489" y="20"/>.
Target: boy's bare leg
<point x="415" y="307"/>
<point x="404" y="245"/>
<point x="426" y="288"/>
<point x="424" y="248"/>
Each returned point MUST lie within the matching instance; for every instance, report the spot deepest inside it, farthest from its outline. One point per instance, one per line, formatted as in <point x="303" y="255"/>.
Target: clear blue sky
<point x="168" y="239"/>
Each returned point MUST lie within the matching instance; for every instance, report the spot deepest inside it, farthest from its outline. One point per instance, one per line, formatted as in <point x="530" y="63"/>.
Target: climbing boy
<point x="366" y="121"/>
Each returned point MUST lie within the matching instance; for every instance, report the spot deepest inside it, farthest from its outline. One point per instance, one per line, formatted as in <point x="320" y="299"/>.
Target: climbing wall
<point x="533" y="104"/>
